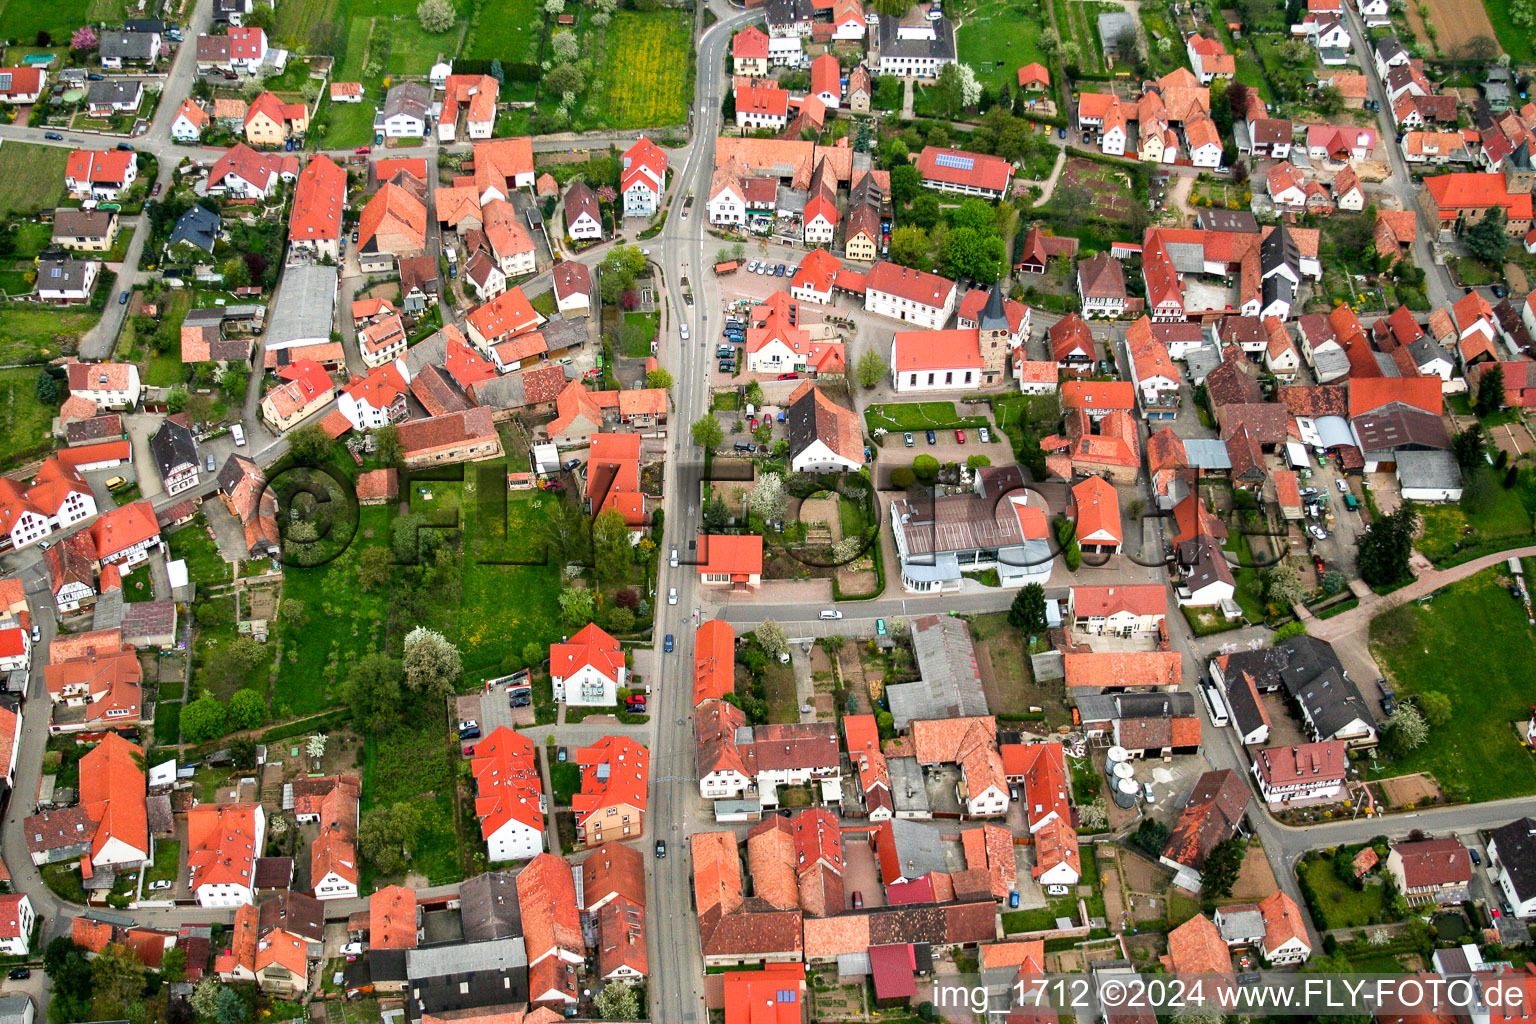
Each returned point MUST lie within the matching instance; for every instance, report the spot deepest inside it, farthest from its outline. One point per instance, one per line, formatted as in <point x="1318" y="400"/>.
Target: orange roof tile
<point x="613" y="774"/>
<point x="1196" y="947"/>
<point x="714" y="660"/>
<point x="1107" y="669"/>
<point x="393" y="918"/>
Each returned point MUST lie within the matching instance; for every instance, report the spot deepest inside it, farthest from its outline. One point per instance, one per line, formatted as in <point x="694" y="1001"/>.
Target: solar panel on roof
<point x="955" y="160"/>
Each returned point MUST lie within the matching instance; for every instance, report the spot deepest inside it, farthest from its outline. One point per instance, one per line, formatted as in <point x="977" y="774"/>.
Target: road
<point x="676" y="986"/>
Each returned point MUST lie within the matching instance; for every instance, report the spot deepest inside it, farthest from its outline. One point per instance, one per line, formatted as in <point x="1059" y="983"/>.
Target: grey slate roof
<point x="409" y="98"/>
<point x="941" y="47"/>
<point x="1110" y="707"/>
<point x="173" y="446"/>
<point x="199" y="226"/>
<point x="128" y="45"/>
<point x="951" y="685"/>
<point x="1516" y="846"/>
<point x="488" y="907"/>
<point x="1436" y="469"/>
<point x="114" y="92"/>
<point x="61" y="275"/>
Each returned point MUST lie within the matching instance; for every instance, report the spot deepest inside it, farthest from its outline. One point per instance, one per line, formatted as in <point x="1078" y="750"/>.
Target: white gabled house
<point x="588" y="670"/>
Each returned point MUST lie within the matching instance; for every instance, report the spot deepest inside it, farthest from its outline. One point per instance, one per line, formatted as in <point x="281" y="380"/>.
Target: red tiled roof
<point x="959" y="167"/>
<point x="319" y="201"/>
<point x="392" y="918"/>
<point x="613" y="774"/>
<point x="1107" y="669"/>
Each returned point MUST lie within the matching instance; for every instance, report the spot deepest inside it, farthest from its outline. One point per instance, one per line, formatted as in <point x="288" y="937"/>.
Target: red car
<point x="156" y="190"/>
<point x="789" y="376"/>
<point x="959" y="437"/>
<point x="363" y="150"/>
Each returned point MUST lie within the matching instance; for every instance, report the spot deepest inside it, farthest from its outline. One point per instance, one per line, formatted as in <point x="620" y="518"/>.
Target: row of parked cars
<point x="770" y="269"/>
<point x="984" y="433"/>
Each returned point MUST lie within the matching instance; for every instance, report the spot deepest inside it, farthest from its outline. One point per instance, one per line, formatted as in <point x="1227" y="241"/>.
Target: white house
<point x="16" y="923"/>
<point x="1307" y="772"/>
<point x="1131" y="610"/>
<point x="404" y="115"/>
<point x="936" y="360"/>
<point x="573" y="287"/>
<point x="67" y="280"/>
<point x="15" y="649"/>
<point x="915" y="296"/>
<point x="1285" y="930"/>
<point x="642" y="177"/>
<point x="588" y="670"/>
<point x="247" y="49"/>
<point x="1375" y="13"/>
<point x="583" y="216"/>
<point x="224" y="841"/>
<point x="1512" y="862"/>
<point x="824" y="437"/>
<point x="108" y="385"/>
<point x="510" y="800"/>
<point x="190" y="121"/>
<point x="377" y="399"/>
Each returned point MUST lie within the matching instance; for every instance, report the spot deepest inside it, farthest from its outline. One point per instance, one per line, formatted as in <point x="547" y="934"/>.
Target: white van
<point x="1216" y="703"/>
<point x="238" y="433"/>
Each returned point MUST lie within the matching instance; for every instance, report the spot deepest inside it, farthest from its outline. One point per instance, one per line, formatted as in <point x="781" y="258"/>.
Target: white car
<point x="1318" y="532"/>
<point x="682" y="329"/>
<point x="672" y="596"/>
<point x="674" y="558"/>
<point x="1343" y="485"/>
<point x="164" y="883"/>
<point x="352" y="949"/>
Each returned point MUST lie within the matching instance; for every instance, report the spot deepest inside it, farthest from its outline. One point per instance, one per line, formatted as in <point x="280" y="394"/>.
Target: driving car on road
<point x="667" y="646"/>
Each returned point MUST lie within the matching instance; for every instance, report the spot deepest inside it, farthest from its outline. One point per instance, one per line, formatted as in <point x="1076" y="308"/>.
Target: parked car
<point x="635" y="705"/>
<point x="959" y="437"/>
<point x="53" y="136"/>
<point x="1388" y="705"/>
<point x="1146" y="791"/>
<point x="746" y="447"/>
<point x="831" y="613"/>
<point x="472" y="733"/>
<point x="907" y="439"/>
<point x="19" y="974"/>
<point x="1317" y="531"/>
<point x="572" y="465"/>
<point x="561" y="755"/>
<point x="520" y="702"/>
<point x="789" y="376"/>
<point x="933" y="438"/>
<point x="674" y="558"/>
<point x="880" y="627"/>
<point x="661" y="849"/>
<point x="1477" y="858"/>
<point x="125" y="147"/>
<point x="94" y="77"/>
<point x="363" y="150"/>
<point x="985" y="434"/>
<point x="37" y="634"/>
<point x="672" y="595"/>
<point x="667" y="644"/>
<point x="1307" y="492"/>
<point x="122" y="299"/>
<point x="164" y="883"/>
<point x="1343" y="485"/>
<point x="727" y="366"/>
<point x="209" y="463"/>
<point x="156" y="190"/>
<point x="682" y="330"/>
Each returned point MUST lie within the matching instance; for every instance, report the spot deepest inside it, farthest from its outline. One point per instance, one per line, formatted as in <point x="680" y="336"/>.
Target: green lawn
<point x="204" y="563"/>
<point x="1444" y="646"/>
<point x="23" y="19"/>
<point x="31" y="176"/>
<point x="167" y="861"/>
<point x="646" y="77"/>
<point x="167" y="723"/>
<point x="1488" y="517"/>
<point x="138" y="585"/>
<point x="1341" y="906"/>
<point x="1513" y="40"/>
<point x="37" y="335"/>
<point x="564" y="776"/>
<point x="24" y="421"/>
<point x="1250" y="586"/>
<point x="903" y="416"/>
<point x="512" y="35"/>
<point x="414" y="764"/>
<point x="998" y="38"/>
<point x="348" y="124"/>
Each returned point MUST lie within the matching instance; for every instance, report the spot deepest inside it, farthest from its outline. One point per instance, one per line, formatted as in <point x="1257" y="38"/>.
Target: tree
<point x="431" y="663"/>
<point x="1486" y="239"/>
<point x="658" y="378"/>
<point x="1406" y="729"/>
<point x="892" y="8"/>
<point x="564" y="45"/>
<point x="1435" y="707"/>
<point x="498" y="72"/>
<point x="66" y="966"/>
<point x="117" y="976"/>
<point x="977" y="461"/>
<point x="767" y="499"/>
<point x="1283" y="585"/>
<point x="205" y="996"/>
<point x="375" y="568"/>
<point x="247" y="709"/>
<point x="1468" y="444"/>
<point x="1150" y="837"/>
<point x="567" y="534"/>
<point x="871" y="368"/>
<point x="84" y="39"/>
<point x="372" y="690"/>
<point x="771" y="638"/>
<point x="902" y="477"/>
<point x="562" y="79"/>
<point x="716" y="516"/>
<point x="389" y="450"/>
<point x="203" y="719"/>
<point x="926" y="469"/>
<point x="972" y="254"/>
<point x="707" y="432"/>
<point x="387" y="836"/>
<point x="612" y="553"/>
<point x="1222" y="865"/>
<point x="533" y="654"/>
<point x="617" y="1001"/>
<point x="1027" y="613"/>
<point x="1490" y="391"/>
<point x="1333" y="582"/>
<point x="1385" y="547"/>
<point x="576" y="607"/>
<point x="46" y="389"/>
<point x="230" y="1007"/>
<point x="310" y="446"/>
<point x="910" y="247"/>
<point x="436" y="15"/>
<point x="906" y="183"/>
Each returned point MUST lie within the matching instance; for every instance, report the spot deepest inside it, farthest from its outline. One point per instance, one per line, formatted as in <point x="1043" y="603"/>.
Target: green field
<point x="1513" y="40"/>
<point x="341" y="28"/>
<point x="998" y="38"/>
<point x="512" y="35"/>
<point x="646" y="77"/>
<point x="414" y="764"/>
<point x="1496" y="517"/>
<point x="1444" y="646"/>
<point x="347" y="124"/>
<point x="31" y="177"/>
<point x="37" y="335"/>
<point x="192" y="544"/>
<point x="24" y="421"/>
<point x="23" y="19"/>
<point x="903" y="416"/>
<point x="1340" y="905"/>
